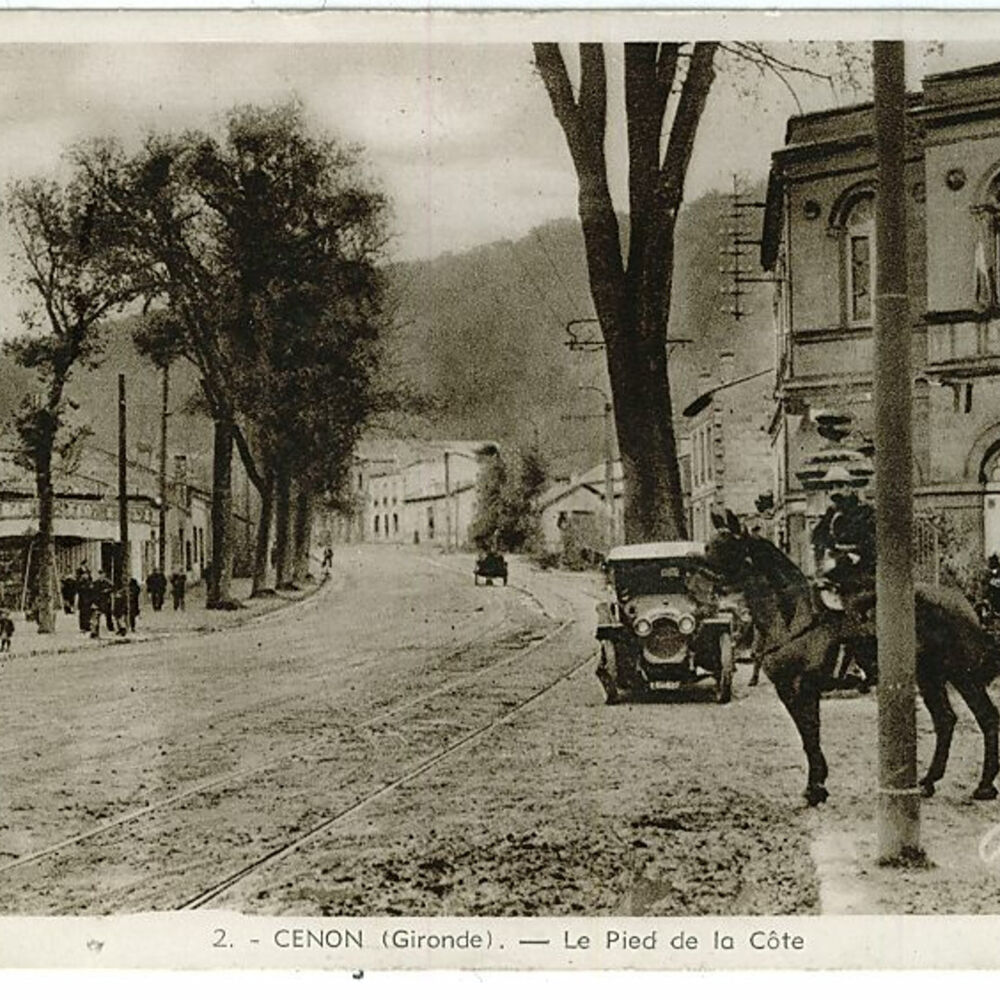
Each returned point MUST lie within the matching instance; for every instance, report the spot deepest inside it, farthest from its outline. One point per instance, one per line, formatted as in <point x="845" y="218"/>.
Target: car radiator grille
<point x="665" y="642"/>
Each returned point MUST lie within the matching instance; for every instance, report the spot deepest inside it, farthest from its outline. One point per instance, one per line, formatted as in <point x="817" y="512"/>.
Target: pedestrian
<point x="6" y="630"/>
<point x="119" y="609"/>
<point x="178" y="583"/>
<point x="84" y="601"/>
<point x="67" y="588"/>
<point x="156" y="587"/>
<point x="101" y="594"/>
<point x="327" y="558"/>
<point x="133" y="603"/>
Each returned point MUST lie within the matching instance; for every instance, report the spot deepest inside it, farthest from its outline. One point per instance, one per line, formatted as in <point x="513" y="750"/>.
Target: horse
<point x="801" y="641"/>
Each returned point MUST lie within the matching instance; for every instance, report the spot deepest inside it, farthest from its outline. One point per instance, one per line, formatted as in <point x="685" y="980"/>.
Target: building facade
<point x="86" y="526"/>
<point x="728" y="447"/>
<point x="574" y="513"/>
<point x="408" y="491"/>
<point x="819" y="244"/>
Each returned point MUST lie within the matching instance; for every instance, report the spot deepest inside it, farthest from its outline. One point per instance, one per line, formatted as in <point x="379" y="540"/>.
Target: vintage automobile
<point x="662" y="622"/>
<point x="490" y="566"/>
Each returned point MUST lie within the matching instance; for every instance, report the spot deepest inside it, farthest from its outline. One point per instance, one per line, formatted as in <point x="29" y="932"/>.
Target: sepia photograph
<point x="473" y="466"/>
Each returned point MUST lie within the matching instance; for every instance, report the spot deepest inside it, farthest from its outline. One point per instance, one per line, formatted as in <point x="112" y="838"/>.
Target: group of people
<point x="94" y="598"/>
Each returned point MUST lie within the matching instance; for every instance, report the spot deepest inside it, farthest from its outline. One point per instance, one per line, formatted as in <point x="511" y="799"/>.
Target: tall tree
<point x="72" y="275"/>
<point x="667" y="85"/>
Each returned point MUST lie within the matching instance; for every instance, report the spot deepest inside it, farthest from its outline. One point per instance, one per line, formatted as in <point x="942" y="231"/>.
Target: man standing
<point x="156" y="587"/>
<point x="101" y="605"/>
<point x="178" y="583"/>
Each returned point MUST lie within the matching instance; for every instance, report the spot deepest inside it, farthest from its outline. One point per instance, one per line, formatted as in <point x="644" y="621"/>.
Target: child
<point x="6" y="630"/>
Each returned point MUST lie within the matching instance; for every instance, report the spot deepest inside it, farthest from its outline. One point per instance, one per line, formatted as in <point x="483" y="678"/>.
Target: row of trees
<point x="255" y="255"/>
<point x="507" y="515"/>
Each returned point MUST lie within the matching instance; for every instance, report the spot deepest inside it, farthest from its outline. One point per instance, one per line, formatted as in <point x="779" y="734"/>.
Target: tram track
<point x="428" y="763"/>
<point x="305" y="747"/>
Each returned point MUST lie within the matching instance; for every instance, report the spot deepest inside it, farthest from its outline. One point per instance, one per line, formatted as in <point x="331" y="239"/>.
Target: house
<point x="818" y="242"/>
<point x="86" y="526"/>
<point x="574" y="512"/>
<point x="728" y="446"/>
<point x="414" y="491"/>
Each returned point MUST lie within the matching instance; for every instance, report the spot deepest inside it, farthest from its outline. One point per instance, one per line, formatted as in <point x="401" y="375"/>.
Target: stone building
<point x="414" y="492"/>
<point x="574" y="512"/>
<point x="818" y="242"/>
<point x="728" y="447"/>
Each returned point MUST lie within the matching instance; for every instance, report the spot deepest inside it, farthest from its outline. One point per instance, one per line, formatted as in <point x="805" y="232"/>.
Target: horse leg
<point x="800" y="695"/>
<point x="974" y="693"/>
<point x="935" y="697"/>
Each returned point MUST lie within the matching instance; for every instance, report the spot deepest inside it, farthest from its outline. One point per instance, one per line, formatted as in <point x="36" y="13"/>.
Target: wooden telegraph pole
<point x="123" y="570"/>
<point x="164" y="416"/>
<point x="898" y="801"/>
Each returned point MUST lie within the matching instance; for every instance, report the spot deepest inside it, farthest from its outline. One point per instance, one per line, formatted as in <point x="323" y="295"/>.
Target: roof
<point x="657" y="550"/>
<point x="592" y="479"/>
<point x="402" y="452"/>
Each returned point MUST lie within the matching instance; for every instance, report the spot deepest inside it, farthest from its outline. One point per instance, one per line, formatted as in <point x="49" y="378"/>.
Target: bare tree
<point x="73" y="281"/>
<point x="666" y="87"/>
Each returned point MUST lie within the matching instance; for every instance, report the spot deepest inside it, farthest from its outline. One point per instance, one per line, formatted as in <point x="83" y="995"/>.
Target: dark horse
<point x="800" y="641"/>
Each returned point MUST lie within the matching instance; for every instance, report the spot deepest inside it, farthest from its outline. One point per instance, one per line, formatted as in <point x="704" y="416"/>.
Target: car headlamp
<point x="643" y="627"/>
<point x="686" y="625"/>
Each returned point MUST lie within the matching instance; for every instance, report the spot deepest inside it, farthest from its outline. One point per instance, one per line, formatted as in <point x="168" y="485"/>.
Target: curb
<point x="141" y="638"/>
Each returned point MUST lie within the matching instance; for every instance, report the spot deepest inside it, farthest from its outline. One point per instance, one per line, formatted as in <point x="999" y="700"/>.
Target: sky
<point x="461" y="136"/>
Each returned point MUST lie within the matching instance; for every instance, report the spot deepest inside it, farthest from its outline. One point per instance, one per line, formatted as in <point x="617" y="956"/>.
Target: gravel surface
<point x="419" y="746"/>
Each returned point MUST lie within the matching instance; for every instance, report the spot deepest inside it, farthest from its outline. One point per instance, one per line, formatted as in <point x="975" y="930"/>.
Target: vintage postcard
<point x="499" y="490"/>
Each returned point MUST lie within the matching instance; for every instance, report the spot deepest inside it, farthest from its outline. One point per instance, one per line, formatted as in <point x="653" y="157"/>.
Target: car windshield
<point x="652" y="576"/>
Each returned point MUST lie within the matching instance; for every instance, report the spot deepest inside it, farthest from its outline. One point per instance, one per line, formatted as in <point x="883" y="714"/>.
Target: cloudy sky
<point x="461" y="136"/>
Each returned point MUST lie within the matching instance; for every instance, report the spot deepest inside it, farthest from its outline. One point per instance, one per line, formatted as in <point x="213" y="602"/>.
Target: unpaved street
<point x="405" y="742"/>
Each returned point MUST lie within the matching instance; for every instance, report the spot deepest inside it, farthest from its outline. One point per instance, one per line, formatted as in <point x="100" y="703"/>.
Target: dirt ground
<point x="407" y="743"/>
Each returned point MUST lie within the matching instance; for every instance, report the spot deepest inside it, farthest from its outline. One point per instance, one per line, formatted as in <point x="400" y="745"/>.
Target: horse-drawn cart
<point x="661" y="622"/>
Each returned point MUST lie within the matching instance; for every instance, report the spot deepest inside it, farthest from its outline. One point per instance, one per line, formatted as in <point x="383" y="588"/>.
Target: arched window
<point x="859" y="258"/>
<point x="987" y="252"/>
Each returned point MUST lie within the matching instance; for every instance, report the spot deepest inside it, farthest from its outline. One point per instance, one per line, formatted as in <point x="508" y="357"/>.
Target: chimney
<point x="727" y="367"/>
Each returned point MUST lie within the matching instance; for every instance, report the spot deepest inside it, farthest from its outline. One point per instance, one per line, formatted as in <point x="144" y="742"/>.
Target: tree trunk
<point x="44" y="552"/>
<point x="282" y="528"/>
<point x="261" y="556"/>
<point x="654" y="504"/>
<point x="218" y="591"/>
<point x="302" y="534"/>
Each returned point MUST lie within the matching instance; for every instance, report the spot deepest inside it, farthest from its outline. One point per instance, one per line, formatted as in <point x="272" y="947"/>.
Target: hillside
<point x="484" y="331"/>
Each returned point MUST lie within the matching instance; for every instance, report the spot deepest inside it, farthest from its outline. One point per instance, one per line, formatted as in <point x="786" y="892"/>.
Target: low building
<point x="86" y="526"/>
<point x="574" y="512"/>
<point x="414" y="492"/>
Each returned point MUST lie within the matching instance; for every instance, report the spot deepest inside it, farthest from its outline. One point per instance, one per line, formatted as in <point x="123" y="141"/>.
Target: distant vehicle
<point x="490" y="566"/>
<point x="662" y="623"/>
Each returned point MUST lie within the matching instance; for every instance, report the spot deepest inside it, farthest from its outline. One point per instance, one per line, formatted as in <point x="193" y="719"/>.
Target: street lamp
<point x="609" y="461"/>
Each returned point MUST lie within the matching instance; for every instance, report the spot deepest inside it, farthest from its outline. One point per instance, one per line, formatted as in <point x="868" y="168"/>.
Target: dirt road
<point x="405" y="742"/>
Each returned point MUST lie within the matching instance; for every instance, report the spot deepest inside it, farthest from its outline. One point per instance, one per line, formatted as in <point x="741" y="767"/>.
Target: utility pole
<point x="164" y="415"/>
<point x="609" y="463"/>
<point x="898" y="799"/>
<point x="447" y="503"/>
<point x="123" y="572"/>
<point x="609" y="470"/>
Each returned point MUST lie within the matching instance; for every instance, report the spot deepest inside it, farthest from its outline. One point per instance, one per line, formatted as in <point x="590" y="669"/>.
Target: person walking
<point x="84" y="601"/>
<point x="6" y="630"/>
<point x="156" y="587"/>
<point x="67" y="588"/>
<point x="101" y="593"/>
<point x="178" y="584"/>
<point x="133" y="603"/>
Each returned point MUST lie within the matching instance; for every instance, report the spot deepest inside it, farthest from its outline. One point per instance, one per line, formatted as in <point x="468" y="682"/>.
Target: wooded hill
<point x="483" y="333"/>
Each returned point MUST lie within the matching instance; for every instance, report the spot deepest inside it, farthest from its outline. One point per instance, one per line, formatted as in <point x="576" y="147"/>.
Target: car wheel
<point x="727" y="668"/>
